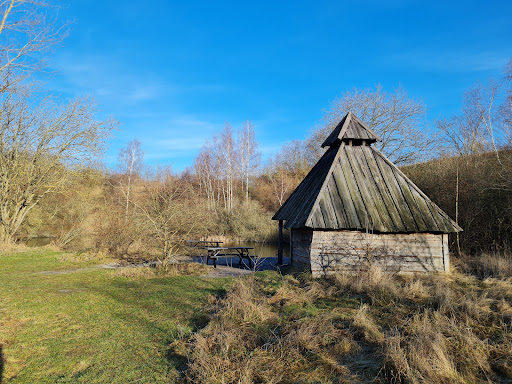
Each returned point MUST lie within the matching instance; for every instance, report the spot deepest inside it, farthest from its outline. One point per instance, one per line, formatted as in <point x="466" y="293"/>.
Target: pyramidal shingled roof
<point x="357" y="187"/>
<point x="351" y="128"/>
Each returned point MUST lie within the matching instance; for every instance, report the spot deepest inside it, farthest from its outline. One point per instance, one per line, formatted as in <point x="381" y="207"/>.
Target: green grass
<point x="90" y="326"/>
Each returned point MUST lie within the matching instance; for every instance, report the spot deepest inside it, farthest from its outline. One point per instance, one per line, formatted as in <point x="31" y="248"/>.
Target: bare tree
<point x="286" y="169"/>
<point x="130" y="161"/>
<point x="464" y="134"/>
<point x="483" y="124"/>
<point x="27" y="33"/>
<point x="223" y="164"/>
<point x="481" y="101"/>
<point x="205" y="170"/>
<point x="166" y="211"/>
<point x="481" y="127"/>
<point x="278" y="178"/>
<point x="394" y="116"/>
<point x="42" y="146"/>
<point x="249" y="155"/>
<point x="295" y="159"/>
<point x="231" y="165"/>
<point x="505" y="110"/>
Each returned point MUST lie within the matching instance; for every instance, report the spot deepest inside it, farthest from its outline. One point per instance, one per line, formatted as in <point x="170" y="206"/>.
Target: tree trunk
<point x="4" y="237"/>
<point x="457" y="208"/>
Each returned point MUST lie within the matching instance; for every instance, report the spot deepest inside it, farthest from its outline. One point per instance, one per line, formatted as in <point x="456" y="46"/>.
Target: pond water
<point x="40" y="241"/>
<point x="261" y="249"/>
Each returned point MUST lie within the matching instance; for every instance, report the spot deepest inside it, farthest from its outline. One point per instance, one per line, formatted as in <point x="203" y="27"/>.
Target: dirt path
<point x="226" y="267"/>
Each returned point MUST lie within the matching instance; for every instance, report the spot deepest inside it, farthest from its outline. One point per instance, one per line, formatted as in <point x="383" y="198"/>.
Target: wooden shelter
<point x="355" y="208"/>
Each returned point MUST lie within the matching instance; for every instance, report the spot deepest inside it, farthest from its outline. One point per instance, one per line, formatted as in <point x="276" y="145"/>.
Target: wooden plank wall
<point x="327" y="251"/>
<point x="300" y="246"/>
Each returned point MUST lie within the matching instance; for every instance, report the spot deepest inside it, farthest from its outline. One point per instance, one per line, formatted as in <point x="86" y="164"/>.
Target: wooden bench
<point x="241" y="252"/>
<point x="202" y="243"/>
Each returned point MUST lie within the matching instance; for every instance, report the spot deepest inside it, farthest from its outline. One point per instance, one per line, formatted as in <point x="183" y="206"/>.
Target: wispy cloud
<point x="110" y="76"/>
<point x="146" y="92"/>
<point x="181" y="136"/>
<point x="104" y="76"/>
<point x="452" y="61"/>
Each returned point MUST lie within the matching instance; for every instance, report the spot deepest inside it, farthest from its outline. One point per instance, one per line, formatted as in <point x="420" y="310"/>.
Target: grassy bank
<point x="63" y="320"/>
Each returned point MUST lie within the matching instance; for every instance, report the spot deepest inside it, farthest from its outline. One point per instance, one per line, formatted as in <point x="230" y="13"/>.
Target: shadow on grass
<point x="149" y="305"/>
<point x="1" y="364"/>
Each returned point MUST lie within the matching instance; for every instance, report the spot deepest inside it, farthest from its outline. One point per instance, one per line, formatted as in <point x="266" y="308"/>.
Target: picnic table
<point x="215" y="252"/>
<point x="203" y="243"/>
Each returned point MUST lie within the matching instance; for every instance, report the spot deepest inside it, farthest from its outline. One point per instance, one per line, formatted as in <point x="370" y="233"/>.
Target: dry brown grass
<point x="490" y="264"/>
<point x="367" y="326"/>
<point x="10" y="248"/>
<point x="171" y="270"/>
<point x="433" y="348"/>
<point x="292" y="292"/>
<point x="80" y="257"/>
<point x="245" y="342"/>
<point x="220" y="352"/>
<point x="370" y="327"/>
<point x="379" y="285"/>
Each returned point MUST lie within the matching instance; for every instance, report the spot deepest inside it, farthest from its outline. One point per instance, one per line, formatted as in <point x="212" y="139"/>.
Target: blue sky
<point x="173" y="72"/>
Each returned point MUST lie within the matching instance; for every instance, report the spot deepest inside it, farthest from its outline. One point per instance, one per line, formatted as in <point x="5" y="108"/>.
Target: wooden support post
<point x="280" y="244"/>
<point x="291" y="249"/>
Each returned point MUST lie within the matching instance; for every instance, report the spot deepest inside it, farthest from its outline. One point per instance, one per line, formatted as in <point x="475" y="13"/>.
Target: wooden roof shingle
<point x="356" y="187"/>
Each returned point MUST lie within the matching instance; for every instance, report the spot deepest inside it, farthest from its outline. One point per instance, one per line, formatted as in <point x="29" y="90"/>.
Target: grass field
<point x="66" y="321"/>
<point x="62" y="321"/>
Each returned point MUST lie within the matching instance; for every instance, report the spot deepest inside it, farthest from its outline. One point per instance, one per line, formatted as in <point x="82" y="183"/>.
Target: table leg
<point x="215" y="253"/>
<point x="212" y="255"/>
<point x="248" y="254"/>
<point x="241" y="255"/>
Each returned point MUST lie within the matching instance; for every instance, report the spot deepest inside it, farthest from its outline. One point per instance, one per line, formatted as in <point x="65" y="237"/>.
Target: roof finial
<point x="351" y="128"/>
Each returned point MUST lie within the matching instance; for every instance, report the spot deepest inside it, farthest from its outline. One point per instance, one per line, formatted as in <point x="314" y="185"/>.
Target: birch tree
<point x="279" y="180"/>
<point x="226" y="147"/>
<point x="204" y="167"/>
<point x="480" y="127"/>
<point x="485" y="121"/>
<point x="130" y="161"/>
<point x="249" y="155"/>
<point x="481" y="101"/>
<point x="464" y="134"/>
